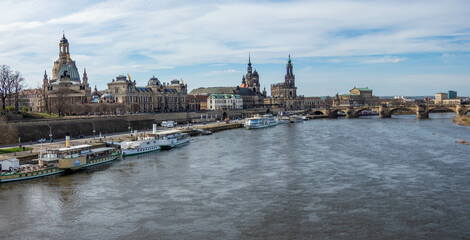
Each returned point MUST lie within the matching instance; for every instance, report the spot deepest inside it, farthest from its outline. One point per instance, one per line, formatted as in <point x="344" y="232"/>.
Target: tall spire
<point x="249" y="63"/>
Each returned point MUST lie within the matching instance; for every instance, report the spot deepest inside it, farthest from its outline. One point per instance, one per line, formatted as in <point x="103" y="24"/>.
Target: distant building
<point x="452" y="94"/>
<point x="30" y="98"/>
<point x="356" y="97"/>
<point x="155" y="97"/>
<point x="440" y="97"/>
<point x="284" y="94"/>
<point x="249" y="90"/>
<point x="224" y="102"/>
<point x="197" y="102"/>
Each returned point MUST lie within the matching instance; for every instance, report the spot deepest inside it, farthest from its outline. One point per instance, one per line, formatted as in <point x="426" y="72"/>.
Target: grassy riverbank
<point x="15" y="149"/>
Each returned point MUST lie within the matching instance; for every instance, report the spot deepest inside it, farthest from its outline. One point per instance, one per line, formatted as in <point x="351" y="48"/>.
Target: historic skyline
<point x="397" y="48"/>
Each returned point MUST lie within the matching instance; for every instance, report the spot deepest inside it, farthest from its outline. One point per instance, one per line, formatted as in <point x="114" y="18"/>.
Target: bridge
<point x="386" y="111"/>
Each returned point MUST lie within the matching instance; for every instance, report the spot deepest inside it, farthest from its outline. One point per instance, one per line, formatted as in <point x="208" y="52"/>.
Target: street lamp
<point x="93" y="129"/>
<point x="50" y="133"/>
<point x="129" y="123"/>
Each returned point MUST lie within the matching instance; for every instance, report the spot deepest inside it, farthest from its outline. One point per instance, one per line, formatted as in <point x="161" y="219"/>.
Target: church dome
<point x="153" y="81"/>
<point x="71" y="70"/>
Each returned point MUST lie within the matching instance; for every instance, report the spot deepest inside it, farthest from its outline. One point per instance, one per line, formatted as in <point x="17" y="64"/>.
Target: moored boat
<point x="172" y="138"/>
<point x="141" y="145"/>
<point x="263" y="121"/>
<point x="283" y="119"/>
<point x="295" y="119"/>
<point x="55" y="161"/>
<point x="145" y="144"/>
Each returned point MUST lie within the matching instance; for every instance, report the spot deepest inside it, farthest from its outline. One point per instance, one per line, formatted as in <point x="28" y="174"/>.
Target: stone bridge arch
<point x="430" y="109"/>
<point x="318" y="112"/>
<point x="333" y="113"/>
<point x="387" y="112"/>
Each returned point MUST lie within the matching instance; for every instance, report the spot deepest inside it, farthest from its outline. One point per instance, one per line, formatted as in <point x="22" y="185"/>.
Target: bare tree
<point x="44" y="98"/>
<point x="16" y="87"/>
<point x="4" y="84"/>
<point x="60" y="100"/>
<point x="11" y="84"/>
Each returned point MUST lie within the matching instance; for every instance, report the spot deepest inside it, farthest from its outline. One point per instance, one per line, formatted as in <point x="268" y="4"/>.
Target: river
<point x="366" y="178"/>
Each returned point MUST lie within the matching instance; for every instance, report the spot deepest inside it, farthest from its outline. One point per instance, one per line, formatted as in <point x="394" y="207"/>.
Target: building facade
<point x="284" y="94"/>
<point x="65" y="89"/>
<point x="439" y="98"/>
<point x="155" y="97"/>
<point x="30" y="98"/>
<point x="356" y="97"/>
<point x="224" y="102"/>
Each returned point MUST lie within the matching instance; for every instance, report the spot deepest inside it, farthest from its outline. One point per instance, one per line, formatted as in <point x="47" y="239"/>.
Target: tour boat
<point x="141" y="145"/>
<point x="55" y="161"/>
<point x="283" y="119"/>
<point x="258" y="121"/>
<point x="172" y="138"/>
<point x="295" y="119"/>
<point x="149" y="143"/>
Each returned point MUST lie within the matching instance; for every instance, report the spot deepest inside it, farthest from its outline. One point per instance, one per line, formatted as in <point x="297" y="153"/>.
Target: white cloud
<point x="169" y="34"/>
<point x="386" y="59"/>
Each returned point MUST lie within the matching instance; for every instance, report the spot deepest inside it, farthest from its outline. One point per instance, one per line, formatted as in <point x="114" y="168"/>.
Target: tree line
<point x="11" y="84"/>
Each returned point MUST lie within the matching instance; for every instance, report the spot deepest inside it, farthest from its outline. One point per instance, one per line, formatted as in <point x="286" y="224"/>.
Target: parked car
<point x="79" y="136"/>
<point x="42" y="140"/>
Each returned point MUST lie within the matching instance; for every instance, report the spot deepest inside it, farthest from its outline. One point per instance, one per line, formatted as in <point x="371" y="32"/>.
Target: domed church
<point x="65" y="88"/>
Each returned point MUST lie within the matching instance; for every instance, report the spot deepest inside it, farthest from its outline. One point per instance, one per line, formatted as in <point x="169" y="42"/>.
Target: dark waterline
<point x="365" y="178"/>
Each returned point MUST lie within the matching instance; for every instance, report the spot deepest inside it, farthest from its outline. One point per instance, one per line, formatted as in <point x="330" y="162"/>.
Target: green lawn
<point x="40" y="115"/>
<point x="15" y="149"/>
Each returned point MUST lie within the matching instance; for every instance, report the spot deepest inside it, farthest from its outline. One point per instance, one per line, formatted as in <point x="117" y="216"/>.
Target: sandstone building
<point x="155" y="97"/>
<point x="284" y="94"/>
<point x="356" y="97"/>
<point x="65" y="88"/>
<point x="249" y="90"/>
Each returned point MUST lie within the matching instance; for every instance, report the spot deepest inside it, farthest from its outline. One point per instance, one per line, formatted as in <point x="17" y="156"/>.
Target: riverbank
<point x="463" y="120"/>
<point x="32" y="130"/>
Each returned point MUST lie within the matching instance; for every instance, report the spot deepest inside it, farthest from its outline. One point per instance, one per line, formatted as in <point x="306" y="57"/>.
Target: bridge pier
<point x="350" y="113"/>
<point x="421" y="113"/>
<point x="384" y="112"/>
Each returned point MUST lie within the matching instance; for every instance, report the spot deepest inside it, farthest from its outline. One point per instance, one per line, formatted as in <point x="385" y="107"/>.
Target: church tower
<point x="65" y="65"/>
<point x="290" y="77"/>
<point x="85" y="78"/>
<point x="45" y="81"/>
<point x="64" y="48"/>
<point x="249" y="65"/>
<point x="252" y="78"/>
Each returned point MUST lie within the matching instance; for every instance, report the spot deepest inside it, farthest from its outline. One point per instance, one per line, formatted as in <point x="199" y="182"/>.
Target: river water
<point x="366" y="178"/>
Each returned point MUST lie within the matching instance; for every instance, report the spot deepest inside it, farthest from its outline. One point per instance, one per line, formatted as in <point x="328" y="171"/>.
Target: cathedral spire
<point x="249" y="63"/>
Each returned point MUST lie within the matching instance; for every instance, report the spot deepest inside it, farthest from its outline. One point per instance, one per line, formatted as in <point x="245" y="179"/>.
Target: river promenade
<point x="101" y="140"/>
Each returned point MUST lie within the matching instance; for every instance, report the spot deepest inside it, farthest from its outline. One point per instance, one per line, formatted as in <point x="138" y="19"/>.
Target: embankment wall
<point x="34" y="130"/>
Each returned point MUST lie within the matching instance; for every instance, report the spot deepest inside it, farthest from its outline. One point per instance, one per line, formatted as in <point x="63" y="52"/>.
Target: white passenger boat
<point x="139" y="146"/>
<point x="258" y="121"/>
<point x="172" y="138"/>
<point x="145" y="144"/>
<point x="283" y="119"/>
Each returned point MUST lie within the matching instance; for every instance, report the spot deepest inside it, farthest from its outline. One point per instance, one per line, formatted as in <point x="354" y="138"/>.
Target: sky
<point x="404" y="48"/>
